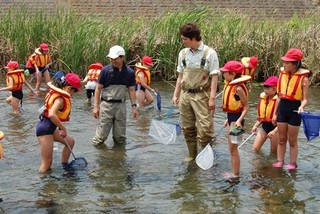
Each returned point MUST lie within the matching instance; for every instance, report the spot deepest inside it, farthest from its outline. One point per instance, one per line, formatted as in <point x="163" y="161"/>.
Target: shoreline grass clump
<point x="77" y="41"/>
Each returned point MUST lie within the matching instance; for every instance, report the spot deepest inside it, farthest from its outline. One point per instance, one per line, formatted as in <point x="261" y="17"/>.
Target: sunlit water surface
<point x="146" y="176"/>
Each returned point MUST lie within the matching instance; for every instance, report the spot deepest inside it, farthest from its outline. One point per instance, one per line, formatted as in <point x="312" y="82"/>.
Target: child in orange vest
<point x="250" y="64"/>
<point x="91" y="79"/>
<point x="57" y="109"/>
<point x="293" y="90"/>
<point x="15" y="80"/>
<point x="235" y="103"/>
<point x="143" y="78"/>
<point x="266" y="107"/>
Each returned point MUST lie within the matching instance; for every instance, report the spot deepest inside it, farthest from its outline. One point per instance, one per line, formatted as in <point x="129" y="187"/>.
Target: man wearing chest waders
<point x="114" y="82"/>
<point x="198" y="69"/>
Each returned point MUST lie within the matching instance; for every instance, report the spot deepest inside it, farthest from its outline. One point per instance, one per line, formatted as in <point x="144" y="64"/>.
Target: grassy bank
<point x="77" y="41"/>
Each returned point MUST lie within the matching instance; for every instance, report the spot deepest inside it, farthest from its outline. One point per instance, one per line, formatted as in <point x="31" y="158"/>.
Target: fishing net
<point x="311" y="124"/>
<point x="78" y="163"/>
<point x="163" y="132"/>
<point x="206" y="157"/>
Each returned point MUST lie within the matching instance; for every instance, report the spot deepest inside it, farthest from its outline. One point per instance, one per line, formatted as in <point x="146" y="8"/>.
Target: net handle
<point x="67" y="144"/>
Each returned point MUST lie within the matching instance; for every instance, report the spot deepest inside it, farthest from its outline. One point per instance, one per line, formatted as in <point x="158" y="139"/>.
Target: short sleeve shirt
<point x="193" y="59"/>
<point x="110" y="75"/>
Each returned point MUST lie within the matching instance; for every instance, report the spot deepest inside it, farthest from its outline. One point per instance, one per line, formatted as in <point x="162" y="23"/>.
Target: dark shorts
<point x="233" y="117"/>
<point x="268" y="127"/>
<point x="42" y="69"/>
<point x="31" y="70"/>
<point x="45" y="127"/>
<point x="17" y="94"/>
<point x="287" y="112"/>
<point x="90" y="92"/>
<point x="139" y="87"/>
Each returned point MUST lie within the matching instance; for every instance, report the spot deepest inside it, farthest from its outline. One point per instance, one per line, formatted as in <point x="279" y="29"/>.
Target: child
<point x="1" y="137"/>
<point x="235" y="103"/>
<point x="91" y="79"/>
<point x="143" y="77"/>
<point x="250" y="64"/>
<point x="292" y="89"/>
<point x="266" y="108"/>
<point x="39" y="63"/>
<point x="15" y="80"/>
<point x="57" y="109"/>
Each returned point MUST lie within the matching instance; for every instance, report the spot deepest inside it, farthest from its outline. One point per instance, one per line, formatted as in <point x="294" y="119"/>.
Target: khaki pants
<point x="112" y="115"/>
<point x="196" y="119"/>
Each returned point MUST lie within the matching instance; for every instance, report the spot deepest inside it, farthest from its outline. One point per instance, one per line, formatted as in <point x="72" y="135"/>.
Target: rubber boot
<point x="192" y="148"/>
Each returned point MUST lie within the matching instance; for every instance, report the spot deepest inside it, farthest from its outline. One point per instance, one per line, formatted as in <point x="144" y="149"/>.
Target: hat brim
<point x="112" y="56"/>
<point x="223" y="69"/>
<point x="284" y="58"/>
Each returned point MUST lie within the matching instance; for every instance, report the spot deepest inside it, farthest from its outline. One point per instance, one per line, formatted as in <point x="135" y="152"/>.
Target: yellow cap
<point x="1" y="135"/>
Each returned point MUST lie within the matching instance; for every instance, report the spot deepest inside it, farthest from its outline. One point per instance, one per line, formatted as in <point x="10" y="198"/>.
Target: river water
<point x="146" y="176"/>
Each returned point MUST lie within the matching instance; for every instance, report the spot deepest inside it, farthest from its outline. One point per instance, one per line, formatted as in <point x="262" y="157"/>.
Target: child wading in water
<point x="143" y="78"/>
<point x="15" y="80"/>
<point x="266" y="108"/>
<point x="293" y="89"/>
<point x="57" y="109"/>
<point x="91" y="79"/>
<point x="235" y="103"/>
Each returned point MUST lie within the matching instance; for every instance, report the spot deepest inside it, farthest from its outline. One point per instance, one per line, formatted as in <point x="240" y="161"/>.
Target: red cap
<point x="12" y="65"/>
<point x="74" y="80"/>
<point x="44" y="46"/>
<point x="1" y="135"/>
<point x="271" y="81"/>
<point x="292" y="55"/>
<point x="147" y="60"/>
<point x="233" y="66"/>
<point x="253" y="62"/>
<point x="95" y="66"/>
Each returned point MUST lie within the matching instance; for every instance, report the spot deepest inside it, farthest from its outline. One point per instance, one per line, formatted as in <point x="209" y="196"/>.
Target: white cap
<point x="116" y="51"/>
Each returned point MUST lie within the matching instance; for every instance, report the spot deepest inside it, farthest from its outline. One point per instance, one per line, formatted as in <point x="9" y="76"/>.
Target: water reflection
<point x="144" y="176"/>
<point x="276" y="188"/>
<point x="111" y="177"/>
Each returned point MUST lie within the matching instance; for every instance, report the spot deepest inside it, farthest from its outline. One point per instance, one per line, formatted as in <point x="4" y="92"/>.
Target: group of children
<point x="57" y="103"/>
<point x="279" y="106"/>
<point x="278" y="109"/>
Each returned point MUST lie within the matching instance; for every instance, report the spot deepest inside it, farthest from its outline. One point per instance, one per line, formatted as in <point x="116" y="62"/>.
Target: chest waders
<point x="112" y="115"/>
<point x="195" y="115"/>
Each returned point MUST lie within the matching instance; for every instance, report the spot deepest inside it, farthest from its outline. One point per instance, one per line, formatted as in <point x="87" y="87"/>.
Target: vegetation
<point x="77" y="41"/>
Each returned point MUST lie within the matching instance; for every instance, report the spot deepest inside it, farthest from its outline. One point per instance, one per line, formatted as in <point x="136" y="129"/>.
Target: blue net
<point x="311" y="124"/>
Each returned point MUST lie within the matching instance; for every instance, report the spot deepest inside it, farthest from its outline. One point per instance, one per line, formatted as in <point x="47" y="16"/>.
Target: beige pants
<point x="196" y="119"/>
<point x="112" y="115"/>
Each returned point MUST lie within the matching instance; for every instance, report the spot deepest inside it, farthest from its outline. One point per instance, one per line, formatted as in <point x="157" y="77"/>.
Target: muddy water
<point x="146" y="176"/>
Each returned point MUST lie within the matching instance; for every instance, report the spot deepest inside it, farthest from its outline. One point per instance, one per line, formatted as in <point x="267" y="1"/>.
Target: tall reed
<point x="77" y="41"/>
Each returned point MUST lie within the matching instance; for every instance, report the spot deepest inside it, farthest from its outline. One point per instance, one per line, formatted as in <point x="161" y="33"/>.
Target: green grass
<point x="76" y="42"/>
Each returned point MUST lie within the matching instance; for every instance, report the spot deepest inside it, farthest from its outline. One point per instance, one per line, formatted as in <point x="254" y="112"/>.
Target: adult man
<point x="198" y="69"/>
<point x="115" y="80"/>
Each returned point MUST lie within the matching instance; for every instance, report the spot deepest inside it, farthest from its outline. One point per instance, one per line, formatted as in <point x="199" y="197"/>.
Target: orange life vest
<point x="42" y="61"/>
<point x="266" y="107"/>
<point x="145" y="71"/>
<point x="290" y="87"/>
<point x="18" y="79"/>
<point x="229" y="102"/>
<point x="52" y="95"/>
<point x="93" y="74"/>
